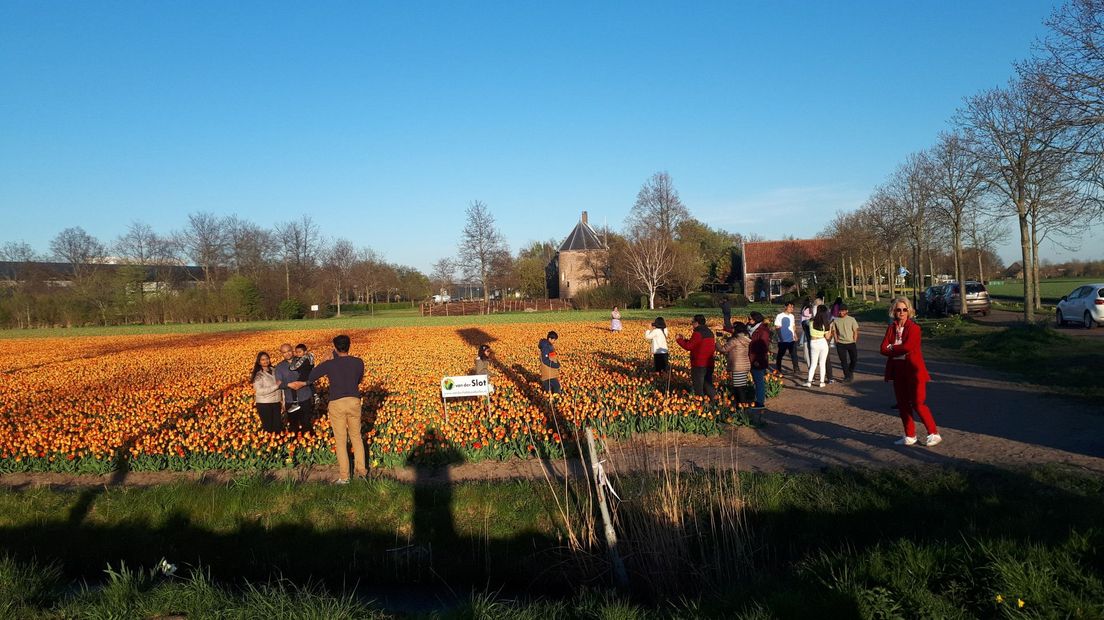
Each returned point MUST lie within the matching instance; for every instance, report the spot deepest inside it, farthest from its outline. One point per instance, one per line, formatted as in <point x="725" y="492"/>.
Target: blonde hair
<point x="902" y="300"/>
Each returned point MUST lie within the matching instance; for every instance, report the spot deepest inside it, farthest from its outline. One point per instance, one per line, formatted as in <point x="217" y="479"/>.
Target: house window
<point x="775" y="287"/>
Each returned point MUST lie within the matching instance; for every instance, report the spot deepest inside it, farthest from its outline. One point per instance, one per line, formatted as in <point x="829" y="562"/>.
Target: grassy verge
<point x="390" y="318"/>
<point x="1051" y="289"/>
<point x="1036" y="354"/>
<point x="917" y="542"/>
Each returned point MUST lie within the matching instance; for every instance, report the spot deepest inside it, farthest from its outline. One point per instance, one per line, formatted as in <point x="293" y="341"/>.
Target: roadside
<point x="1008" y="318"/>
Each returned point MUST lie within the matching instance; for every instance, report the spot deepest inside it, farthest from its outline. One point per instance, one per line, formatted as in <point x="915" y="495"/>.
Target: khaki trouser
<point x="344" y="416"/>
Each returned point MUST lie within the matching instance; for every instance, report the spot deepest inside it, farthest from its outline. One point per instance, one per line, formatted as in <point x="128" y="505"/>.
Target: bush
<point x="605" y="296"/>
<point x="290" y="309"/>
<point x="739" y="300"/>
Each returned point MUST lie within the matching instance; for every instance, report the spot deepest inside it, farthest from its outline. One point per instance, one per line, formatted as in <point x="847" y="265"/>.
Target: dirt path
<point x="983" y="418"/>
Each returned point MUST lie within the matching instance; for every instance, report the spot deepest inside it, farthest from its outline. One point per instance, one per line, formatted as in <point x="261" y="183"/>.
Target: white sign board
<point x="314" y="308"/>
<point x="467" y="385"/>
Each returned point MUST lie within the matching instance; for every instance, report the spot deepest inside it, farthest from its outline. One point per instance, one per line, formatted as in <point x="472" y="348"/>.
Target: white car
<point x="1084" y="305"/>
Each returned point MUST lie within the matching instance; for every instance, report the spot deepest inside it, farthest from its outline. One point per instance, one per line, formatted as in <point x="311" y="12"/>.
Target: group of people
<point x="817" y="330"/>
<point x="288" y="388"/>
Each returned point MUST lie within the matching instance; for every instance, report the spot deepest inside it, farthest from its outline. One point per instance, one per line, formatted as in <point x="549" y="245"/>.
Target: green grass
<point x="389" y="318"/>
<point x="1035" y="354"/>
<point x="931" y="542"/>
<point x="1051" y="289"/>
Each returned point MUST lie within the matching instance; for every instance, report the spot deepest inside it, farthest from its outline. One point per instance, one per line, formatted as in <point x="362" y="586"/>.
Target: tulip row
<point x="179" y="402"/>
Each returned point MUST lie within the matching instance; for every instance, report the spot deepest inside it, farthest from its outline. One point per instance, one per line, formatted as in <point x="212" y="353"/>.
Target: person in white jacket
<point x="657" y="335"/>
<point x="266" y="394"/>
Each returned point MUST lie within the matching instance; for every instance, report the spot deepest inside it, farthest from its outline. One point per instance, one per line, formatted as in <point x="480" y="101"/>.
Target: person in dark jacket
<point x="345" y="373"/>
<point x="726" y="313"/>
<point x="550" y="363"/>
<point x="759" y="352"/>
<point x="701" y="345"/>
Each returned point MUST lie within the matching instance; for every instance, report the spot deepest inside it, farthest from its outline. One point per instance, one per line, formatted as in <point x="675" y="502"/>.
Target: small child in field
<point x="303" y="364"/>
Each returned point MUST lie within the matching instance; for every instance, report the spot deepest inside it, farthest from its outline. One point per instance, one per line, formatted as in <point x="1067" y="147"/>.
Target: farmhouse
<point x="769" y="266"/>
<point x="580" y="263"/>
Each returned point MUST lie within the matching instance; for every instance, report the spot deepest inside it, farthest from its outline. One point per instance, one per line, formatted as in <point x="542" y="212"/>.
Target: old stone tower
<point x="582" y="261"/>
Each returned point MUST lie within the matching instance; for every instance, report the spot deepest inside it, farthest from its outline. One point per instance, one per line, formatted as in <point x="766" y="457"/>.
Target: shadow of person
<point x="432" y="518"/>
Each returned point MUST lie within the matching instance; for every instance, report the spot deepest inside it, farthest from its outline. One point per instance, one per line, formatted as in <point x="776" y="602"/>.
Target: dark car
<point x="977" y="298"/>
<point x="931" y="301"/>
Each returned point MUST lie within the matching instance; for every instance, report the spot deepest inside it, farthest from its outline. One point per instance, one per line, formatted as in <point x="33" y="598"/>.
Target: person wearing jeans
<point x="701" y="345"/>
<point x="759" y="354"/>
<point x="345" y="373"/>
<point x="846" y="330"/>
<point x="786" y="324"/>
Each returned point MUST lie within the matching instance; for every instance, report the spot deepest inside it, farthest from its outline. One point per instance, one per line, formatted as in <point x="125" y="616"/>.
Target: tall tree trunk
<point x="981" y="272"/>
<point x="959" y="272"/>
<point x="1035" y="284"/>
<point x="1028" y="265"/>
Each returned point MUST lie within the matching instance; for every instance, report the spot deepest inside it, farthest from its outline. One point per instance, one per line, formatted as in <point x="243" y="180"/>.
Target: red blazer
<point x="701" y="347"/>
<point x="913" y="363"/>
<point x="759" y="349"/>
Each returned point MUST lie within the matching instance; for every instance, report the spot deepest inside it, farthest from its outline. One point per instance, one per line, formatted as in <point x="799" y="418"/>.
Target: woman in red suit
<point x="905" y="368"/>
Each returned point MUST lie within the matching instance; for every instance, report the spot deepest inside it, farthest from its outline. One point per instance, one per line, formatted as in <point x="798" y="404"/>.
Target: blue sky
<point x="384" y="120"/>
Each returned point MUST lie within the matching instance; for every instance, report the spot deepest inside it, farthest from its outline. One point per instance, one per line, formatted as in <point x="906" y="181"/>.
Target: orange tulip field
<point x="152" y="402"/>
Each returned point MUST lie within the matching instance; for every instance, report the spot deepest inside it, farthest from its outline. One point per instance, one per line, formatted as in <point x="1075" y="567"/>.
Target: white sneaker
<point x="341" y="481"/>
<point x="808" y="384"/>
<point x="906" y="441"/>
<point x="933" y="440"/>
<point x="821" y="384"/>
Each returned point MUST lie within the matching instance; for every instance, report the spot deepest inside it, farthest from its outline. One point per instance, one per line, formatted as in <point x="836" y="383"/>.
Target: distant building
<point x="769" y="266"/>
<point x="1014" y="271"/>
<point x="154" y="278"/>
<point x="581" y="262"/>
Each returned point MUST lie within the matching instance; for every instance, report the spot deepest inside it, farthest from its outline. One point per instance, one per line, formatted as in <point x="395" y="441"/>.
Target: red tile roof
<point x="774" y="256"/>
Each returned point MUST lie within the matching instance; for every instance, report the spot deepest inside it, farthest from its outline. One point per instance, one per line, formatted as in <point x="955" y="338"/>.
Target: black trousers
<point x="660" y="360"/>
<point x="551" y="385"/>
<point x="783" y="347"/>
<point x="848" y="356"/>
<point x="702" y="378"/>
<point x="269" y="413"/>
<point x="302" y="421"/>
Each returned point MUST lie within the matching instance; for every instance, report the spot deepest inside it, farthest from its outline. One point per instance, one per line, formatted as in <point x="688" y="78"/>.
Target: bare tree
<point x="443" y="275"/>
<point x="370" y="271"/>
<point x="140" y="245"/>
<point x="658" y="208"/>
<point x="300" y="242"/>
<point x="249" y="247"/>
<point x="959" y="184"/>
<point x="1016" y="137"/>
<point x="78" y="248"/>
<point x="205" y="242"/>
<point x="649" y="261"/>
<point x="20" y="254"/>
<point x="480" y="244"/>
<point x="338" y="262"/>
<point x="984" y="232"/>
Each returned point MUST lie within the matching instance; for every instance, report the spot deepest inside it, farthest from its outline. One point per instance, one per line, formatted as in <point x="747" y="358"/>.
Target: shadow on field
<point x="789" y="523"/>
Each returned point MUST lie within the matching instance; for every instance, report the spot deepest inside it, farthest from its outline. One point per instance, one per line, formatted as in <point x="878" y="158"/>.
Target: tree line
<point x="241" y="271"/>
<point x="1026" y="156"/>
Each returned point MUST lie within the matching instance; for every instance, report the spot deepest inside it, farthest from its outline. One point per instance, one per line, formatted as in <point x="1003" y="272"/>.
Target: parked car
<point x="1084" y="305"/>
<point x="977" y="298"/>
<point x="931" y="301"/>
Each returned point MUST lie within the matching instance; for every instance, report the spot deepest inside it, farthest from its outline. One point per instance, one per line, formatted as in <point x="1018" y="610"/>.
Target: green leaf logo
<point x="448" y="384"/>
